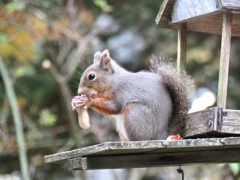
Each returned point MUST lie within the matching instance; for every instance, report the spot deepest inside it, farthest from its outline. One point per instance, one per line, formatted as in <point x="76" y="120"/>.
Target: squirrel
<point x="147" y="105"/>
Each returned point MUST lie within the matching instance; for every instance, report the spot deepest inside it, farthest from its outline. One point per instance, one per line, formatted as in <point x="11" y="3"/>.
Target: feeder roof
<point x="200" y="15"/>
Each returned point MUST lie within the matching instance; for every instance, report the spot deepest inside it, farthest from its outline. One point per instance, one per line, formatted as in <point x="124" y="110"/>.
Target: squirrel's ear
<point x="105" y="62"/>
<point x="97" y="57"/>
<point x="106" y="51"/>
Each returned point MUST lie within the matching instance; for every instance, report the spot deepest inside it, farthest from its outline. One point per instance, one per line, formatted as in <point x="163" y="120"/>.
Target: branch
<point x="72" y="62"/>
<point x="3" y="121"/>
<point x="17" y="120"/>
<point x="66" y="95"/>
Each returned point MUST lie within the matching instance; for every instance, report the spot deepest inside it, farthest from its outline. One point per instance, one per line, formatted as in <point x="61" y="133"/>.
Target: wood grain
<point x="230" y="121"/>
<point x="224" y="60"/>
<point x="150" y="153"/>
<point x="164" y="14"/>
<point x="158" y="160"/>
<point x="188" y="9"/>
<point x="182" y="45"/>
<point x="230" y="5"/>
<point x="201" y="122"/>
<point x="206" y="20"/>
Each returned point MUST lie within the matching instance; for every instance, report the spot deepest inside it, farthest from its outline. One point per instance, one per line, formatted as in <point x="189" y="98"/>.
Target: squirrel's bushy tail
<point x="181" y="87"/>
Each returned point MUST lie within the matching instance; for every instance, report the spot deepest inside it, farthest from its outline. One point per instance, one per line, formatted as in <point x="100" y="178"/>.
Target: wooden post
<point x="181" y="48"/>
<point x="224" y="60"/>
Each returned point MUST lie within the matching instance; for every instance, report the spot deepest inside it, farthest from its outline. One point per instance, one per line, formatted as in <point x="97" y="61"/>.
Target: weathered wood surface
<point x="230" y="121"/>
<point x="230" y="4"/>
<point x="187" y="9"/>
<point x="224" y="60"/>
<point x="201" y="122"/>
<point x="200" y="17"/>
<point x="213" y="24"/>
<point x="182" y="46"/>
<point x="213" y="122"/>
<point x="150" y="153"/>
<point x="164" y="14"/>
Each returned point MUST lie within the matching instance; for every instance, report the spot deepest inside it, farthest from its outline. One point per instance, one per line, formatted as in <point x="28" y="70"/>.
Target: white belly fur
<point x="120" y="124"/>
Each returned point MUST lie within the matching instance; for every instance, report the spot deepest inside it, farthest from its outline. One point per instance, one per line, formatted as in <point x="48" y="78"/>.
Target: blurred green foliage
<point x="47" y="118"/>
<point x="14" y="6"/>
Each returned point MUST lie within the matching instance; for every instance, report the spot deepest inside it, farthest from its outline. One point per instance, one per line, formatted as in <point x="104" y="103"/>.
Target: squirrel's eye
<point x="91" y="76"/>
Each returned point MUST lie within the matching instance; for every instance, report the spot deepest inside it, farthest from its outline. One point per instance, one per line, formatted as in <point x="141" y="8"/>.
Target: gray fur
<point x="159" y="99"/>
<point x="181" y="87"/>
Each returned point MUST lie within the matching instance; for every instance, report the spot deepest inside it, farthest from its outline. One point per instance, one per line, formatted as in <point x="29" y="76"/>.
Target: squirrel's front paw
<point x="78" y="102"/>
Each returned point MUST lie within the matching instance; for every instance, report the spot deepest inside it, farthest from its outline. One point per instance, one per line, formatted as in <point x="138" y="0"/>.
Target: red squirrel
<point x="147" y="105"/>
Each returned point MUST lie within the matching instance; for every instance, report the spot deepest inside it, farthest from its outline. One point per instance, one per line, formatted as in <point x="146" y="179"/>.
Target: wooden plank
<point x="187" y="9"/>
<point x="230" y="121"/>
<point x="230" y="5"/>
<point x="213" y="122"/>
<point x="146" y="147"/>
<point x="110" y="147"/>
<point x="161" y="11"/>
<point x="201" y="122"/>
<point x="164" y="14"/>
<point x="213" y="24"/>
<point x="224" y="60"/>
<point x="156" y="160"/>
<point x="209" y="24"/>
<point x="181" y="48"/>
<point x="79" y="163"/>
<point x="137" y="154"/>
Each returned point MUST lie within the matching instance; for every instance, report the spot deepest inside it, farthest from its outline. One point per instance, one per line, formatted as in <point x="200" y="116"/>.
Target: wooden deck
<point x="111" y="155"/>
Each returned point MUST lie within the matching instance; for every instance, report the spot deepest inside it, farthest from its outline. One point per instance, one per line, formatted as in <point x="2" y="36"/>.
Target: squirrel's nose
<point x="80" y="91"/>
<point x="83" y="91"/>
<point x="79" y="94"/>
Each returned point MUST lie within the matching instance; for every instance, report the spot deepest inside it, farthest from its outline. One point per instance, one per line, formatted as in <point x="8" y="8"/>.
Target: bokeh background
<point x="45" y="46"/>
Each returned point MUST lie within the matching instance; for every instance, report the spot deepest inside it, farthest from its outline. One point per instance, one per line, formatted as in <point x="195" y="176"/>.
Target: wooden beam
<point x="201" y="122"/>
<point x="213" y="24"/>
<point x="230" y="121"/>
<point x="213" y="122"/>
<point x="230" y="5"/>
<point x="155" y="160"/>
<point x="161" y="12"/>
<point x="135" y="154"/>
<point x="181" y="48"/>
<point x="77" y="163"/>
<point x="224" y="60"/>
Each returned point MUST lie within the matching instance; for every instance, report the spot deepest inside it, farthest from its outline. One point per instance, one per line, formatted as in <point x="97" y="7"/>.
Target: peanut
<point x="83" y="118"/>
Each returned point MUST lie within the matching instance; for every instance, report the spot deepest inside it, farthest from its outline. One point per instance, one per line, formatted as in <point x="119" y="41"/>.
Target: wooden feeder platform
<point x="208" y="16"/>
<point x="137" y="154"/>
<point x="156" y="153"/>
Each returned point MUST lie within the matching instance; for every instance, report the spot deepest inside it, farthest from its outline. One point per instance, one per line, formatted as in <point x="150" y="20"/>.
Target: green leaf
<point x="103" y="5"/>
<point x="23" y="70"/>
<point x="47" y="118"/>
<point x="14" y="6"/>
